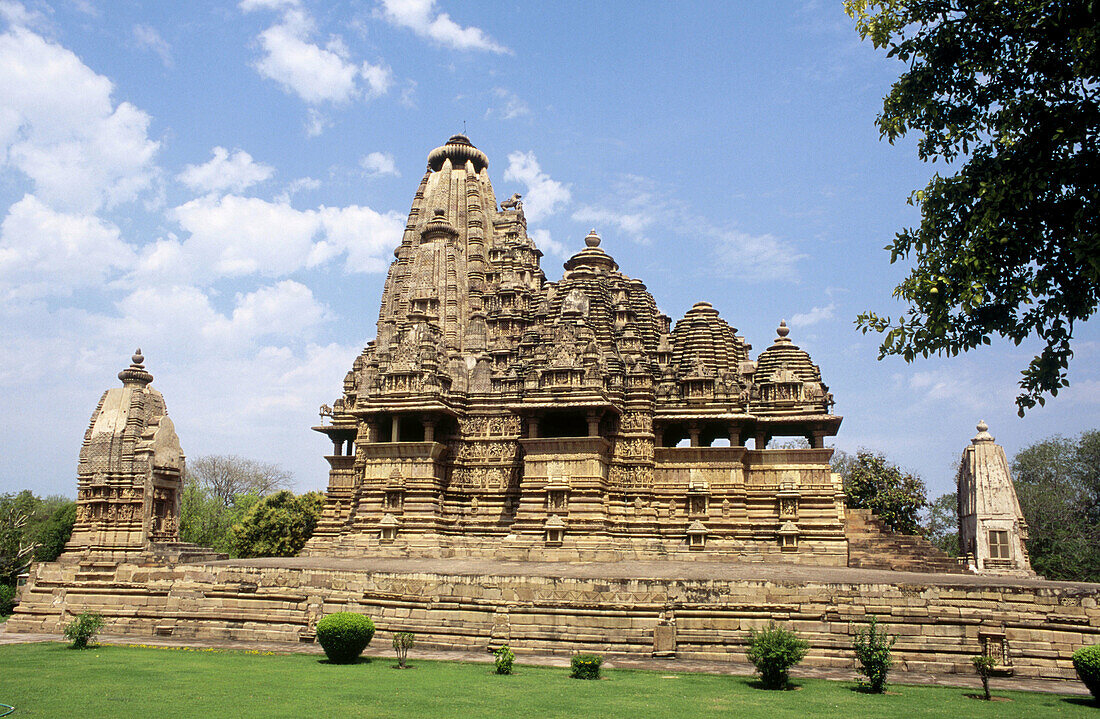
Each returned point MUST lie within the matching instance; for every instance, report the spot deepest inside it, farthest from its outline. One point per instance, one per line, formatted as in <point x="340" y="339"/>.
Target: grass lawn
<point x="50" y="680"/>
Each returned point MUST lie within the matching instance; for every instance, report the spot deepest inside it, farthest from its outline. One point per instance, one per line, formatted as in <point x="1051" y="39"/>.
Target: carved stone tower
<point x="498" y="413"/>
<point x="130" y="471"/>
<point x="992" y="528"/>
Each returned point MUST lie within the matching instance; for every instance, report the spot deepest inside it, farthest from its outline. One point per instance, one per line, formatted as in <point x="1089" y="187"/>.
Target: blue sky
<point x="222" y="184"/>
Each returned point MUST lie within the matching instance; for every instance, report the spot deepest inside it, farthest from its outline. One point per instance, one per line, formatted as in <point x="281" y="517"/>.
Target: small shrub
<point x="984" y="666"/>
<point x="873" y="645"/>
<point x="774" y="650"/>
<point x="402" y="643"/>
<point x="585" y="666"/>
<point x="1087" y="663"/>
<point x="344" y="636"/>
<point x="7" y="599"/>
<point x="83" y="628"/>
<point x="504" y="658"/>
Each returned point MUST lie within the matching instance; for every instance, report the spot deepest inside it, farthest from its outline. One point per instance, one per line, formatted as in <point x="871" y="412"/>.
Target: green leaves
<point x="896" y="497"/>
<point x="1009" y="244"/>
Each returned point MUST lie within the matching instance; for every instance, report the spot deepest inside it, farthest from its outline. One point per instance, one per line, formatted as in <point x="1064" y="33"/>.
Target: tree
<point x="227" y="476"/>
<point x="896" y="497"/>
<point x="1058" y="484"/>
<point x="941" y="525"/>
<point x="204" y="518"/>
<point x="32" y="529"/>
<point x="1008" y="93"/>
<point x="278" y="526"/>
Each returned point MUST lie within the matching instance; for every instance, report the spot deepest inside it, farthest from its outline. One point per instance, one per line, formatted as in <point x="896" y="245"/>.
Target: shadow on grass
<point x="358" y="660"/>
<point x="1082" y="701"/>
<point x="758" y="684"/>
<point x="863" y="689"/>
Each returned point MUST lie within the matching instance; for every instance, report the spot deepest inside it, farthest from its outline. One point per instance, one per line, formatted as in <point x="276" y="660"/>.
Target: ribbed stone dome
<point x="458" y="149"/>
<point x="784" y="354"/>
<point x="702" y="339"/>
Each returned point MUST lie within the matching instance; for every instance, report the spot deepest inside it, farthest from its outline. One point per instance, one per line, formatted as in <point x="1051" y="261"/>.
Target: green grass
<point x="50" y="680"/>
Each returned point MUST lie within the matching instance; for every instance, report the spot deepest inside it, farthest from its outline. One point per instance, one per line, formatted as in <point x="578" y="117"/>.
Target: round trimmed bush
<point x="1087" y="663"/>
<point x="344" y="636"/>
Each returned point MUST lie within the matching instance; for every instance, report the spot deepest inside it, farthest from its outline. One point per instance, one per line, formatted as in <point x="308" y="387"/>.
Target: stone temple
<point x="502" y="413"/>
<point x="557" y="466"/>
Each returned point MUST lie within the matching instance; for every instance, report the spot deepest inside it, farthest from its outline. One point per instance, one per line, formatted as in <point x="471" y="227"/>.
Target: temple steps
<point x="871" y="545"/>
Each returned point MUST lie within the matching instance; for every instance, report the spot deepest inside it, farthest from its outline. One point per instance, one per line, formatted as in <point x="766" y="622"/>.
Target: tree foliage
<point x="217" y="493"/>
<point x="227" y="477"/>
<point x="1058" y="484"/>
<point x="941" y="523"/>
<point x="897" y="497"/>
<point x="278" y="525"/>
<point x="1008" y="93"/>
<point x="32" y="528"/>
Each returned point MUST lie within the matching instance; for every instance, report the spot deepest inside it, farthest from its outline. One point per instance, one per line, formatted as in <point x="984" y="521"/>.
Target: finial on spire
<point x="593" y="238"/>
<point x="135" y="373"/>
<point x="983" y="433"/>
<point x="783" y="330"/>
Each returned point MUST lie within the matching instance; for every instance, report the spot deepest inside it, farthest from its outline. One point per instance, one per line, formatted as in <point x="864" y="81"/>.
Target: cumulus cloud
<point x="544" y="194"/>
<point x="16" y="13"/>
<point x="379" y="163"/>
<point x="148" y="38"/>
<point x="44" y="252"/>
<point x="232" y="236"/>
<point x="546" y="243"/>
<point x="422" y="17"/>
<point x="316" y="74"/>
<point x="379" y="79"/>
<point x="60" y="127"/>
<point x="815" y="315"/>
<point x="225" y="171"/>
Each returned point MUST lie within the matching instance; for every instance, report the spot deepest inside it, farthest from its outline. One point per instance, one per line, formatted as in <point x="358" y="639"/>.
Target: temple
<point x="500" y="417"/>
<point x="500" y="412"/>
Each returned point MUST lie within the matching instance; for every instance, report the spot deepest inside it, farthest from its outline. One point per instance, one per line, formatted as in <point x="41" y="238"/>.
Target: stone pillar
<point x="395" y="428"/>
<point x="593" y="424"/>
<point x="429" y="429"/>
<point x="735" y="437"/>
<point x="337" y="447"/>
<point x="693" y="433"/>
<point x="533" y="427"/>
<point x="761" y="440"/>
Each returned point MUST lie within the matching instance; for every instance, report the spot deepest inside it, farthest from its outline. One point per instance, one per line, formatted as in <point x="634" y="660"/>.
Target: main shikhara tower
<point x="499" y="413"/>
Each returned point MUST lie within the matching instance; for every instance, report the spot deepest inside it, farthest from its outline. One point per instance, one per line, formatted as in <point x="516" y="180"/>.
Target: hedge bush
<point x="984" y="666"/>
<point x="83" y="629"/>
<point x="585" y="666"/>
<point x="1087" y="663"/>
<point x="872" y="646"/>
<point x="402" y="643"/>
<point x="774" y="650"/>
<point x="344" y="636"/>
<point x="7" y="599"/>
<point x="504" y="658"/>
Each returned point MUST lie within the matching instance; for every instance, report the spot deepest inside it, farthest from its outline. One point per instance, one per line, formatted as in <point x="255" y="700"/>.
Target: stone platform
<point x="691" y="610"/>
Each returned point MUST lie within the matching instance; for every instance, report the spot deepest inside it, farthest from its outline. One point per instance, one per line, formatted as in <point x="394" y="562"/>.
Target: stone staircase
<point x="872" y="546"/>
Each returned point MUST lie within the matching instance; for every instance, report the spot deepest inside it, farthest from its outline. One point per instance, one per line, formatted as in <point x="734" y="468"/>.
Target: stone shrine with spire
<point x="503" y="413"/>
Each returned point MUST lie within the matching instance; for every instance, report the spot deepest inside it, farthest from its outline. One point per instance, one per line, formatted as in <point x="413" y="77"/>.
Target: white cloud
<point x="148" y="38"/>
<point x="755" y="258"/>
<point x="296" y="186"/>
<point x="815" y="315"/>
<point x="633" y="207"/>
<point x="379" y="163"/>
<point x="422" y="18"/>
<point x="544" y="194"/>
<point x="510" y="106"/>
<point x="59" y="127"/>
<point x="44" y="252"/>
<point x="250" y="5"/>
<point x="224" y="171"/>
<point x="236" y="236"/>
<point x="17" y="14"/>
<point x="379" y="79"/>
<point x="546" y="243"/>
<point x="368" y="237"/>
<point x="313" y="73"/>
<point x="316" y="122"/>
